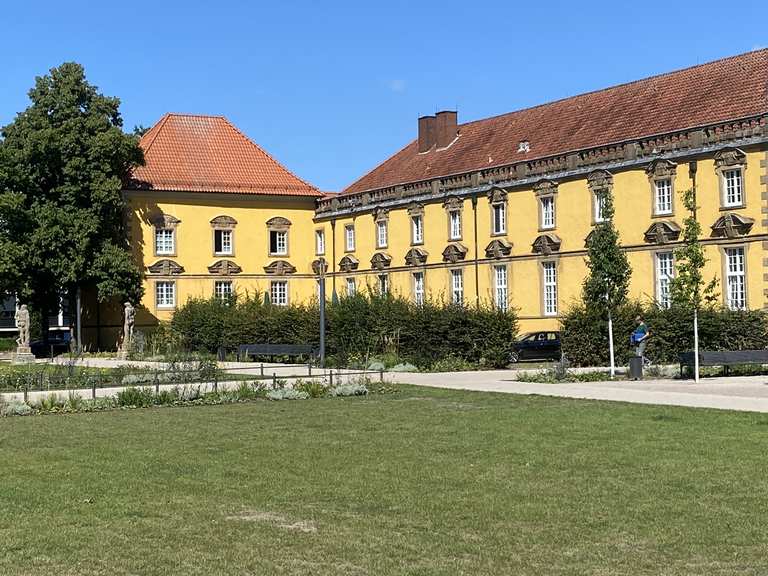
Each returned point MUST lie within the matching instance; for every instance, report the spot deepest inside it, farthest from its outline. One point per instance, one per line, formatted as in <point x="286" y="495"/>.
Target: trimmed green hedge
<point x="358" y="327"/>
<point x="585" y="333"/>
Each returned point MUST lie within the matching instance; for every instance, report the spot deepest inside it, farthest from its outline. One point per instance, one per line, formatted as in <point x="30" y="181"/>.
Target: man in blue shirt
<point x="640" y="337"/>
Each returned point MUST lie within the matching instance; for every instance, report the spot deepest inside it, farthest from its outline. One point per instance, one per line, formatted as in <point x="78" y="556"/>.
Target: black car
<point x="58" y="343"/>
<point x="537" y="346"/>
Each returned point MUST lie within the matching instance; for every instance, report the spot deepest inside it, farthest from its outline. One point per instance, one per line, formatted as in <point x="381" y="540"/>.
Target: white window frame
<point x="319" y="242"/>
<point x="165" y="241"/>
<point x="549" y="287"/>
<point x="665" y="272"/>
<point x="278" y="292"/>
<point x="418" y="288"/>
<point x="382" y="234"/>
<point x="547" y="212"/>
<point x="454" y="225"/>
<point x="417" y="229"/>
<point x="457" y="286"/>
<point x="281" y="243"/>
<point x="501" y="287"/>
<point x="598" y="205"/>
<point x="383" y="283"/>
<point x="662" y="196"/>
<point x="223" y="289"/>
<point x="349" y="237"/>
<point x="735" y="278"/>
<point x="733" y="187"/>
<point x="165" y="294"/>
<point x="351" y="287"/>
<point x="228" y="246"/>
<point x="499" y="217"/>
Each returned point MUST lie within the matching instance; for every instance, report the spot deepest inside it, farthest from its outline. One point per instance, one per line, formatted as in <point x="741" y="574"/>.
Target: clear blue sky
<point x="333" y="88"/>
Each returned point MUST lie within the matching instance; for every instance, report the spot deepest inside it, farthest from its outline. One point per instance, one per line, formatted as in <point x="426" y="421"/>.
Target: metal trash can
<point x="636" y="368"/>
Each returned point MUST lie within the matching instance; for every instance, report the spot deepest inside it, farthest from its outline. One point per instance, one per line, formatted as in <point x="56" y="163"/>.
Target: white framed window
<point x="733" y="193"/>
<point x="454" y="224"/>
<point x="349" y="237"/>
<point x="417" y="226"/>
<point x="665" y="271"/>
<point x="351" y="287"/>
<point x="549" y="277"/>
<point x="278" y="292"/>
<point x="736" y="294"/>
<point x="457" y="287"/>
<point x="278" y="242"/>
<point x="500" y="292"/>
<point x="500" y="218"/>
<point x="599" y="205"/>
<point x="222" y="289"/>
<point x="222" y="242"/>
<point x="662" y="203"/>
<point x="381" y="234"/>
<point x="165" y="241"/>
<point x="548" y="212"/>
<point x="418" y="287"/>
<point x="165" y="294"/>
<point x="383" y="281"/>
<point x="319" y="242"/>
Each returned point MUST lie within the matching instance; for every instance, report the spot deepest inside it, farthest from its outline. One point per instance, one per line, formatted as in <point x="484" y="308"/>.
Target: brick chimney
<point x="426" y="133"/>
<point x="446" y="127"/>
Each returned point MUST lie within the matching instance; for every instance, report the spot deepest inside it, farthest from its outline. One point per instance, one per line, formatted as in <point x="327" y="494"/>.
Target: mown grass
<point x="422" y="482"/>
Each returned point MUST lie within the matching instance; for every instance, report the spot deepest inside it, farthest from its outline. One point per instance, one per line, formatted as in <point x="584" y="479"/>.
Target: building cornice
<point x="687" y="144"/>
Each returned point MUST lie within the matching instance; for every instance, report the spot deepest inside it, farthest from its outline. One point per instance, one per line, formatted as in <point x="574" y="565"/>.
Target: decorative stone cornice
<point x="280" y="268"/>
<point x="224" y="268"/>
<point x="545" y="188"/>
<point x="348" y="263"/>
<point x="165" y="267"/>
<point x="164" y="221"/>
<point x="662" y="232"/>
<point x="223" y="222"/>
<point x="730" y="156"/>
<point x="416" y="256"/>
<point x="454" y="252"/>
<point x="498" y="248"/>
<point x="546" y="244"/>
<point x="732" y="225"/>
<point x="661" y="168"/>
<point x="278" y="224"/>
<point x="381" y="260"/>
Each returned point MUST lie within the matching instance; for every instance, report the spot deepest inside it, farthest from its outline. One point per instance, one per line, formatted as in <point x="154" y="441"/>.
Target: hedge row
<point x="585" y="333"/>
<point x="358" y="327"/>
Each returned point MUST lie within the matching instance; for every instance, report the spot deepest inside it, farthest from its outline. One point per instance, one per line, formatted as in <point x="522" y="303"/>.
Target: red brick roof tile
<point x="192" y="153"/>
<point x="728" y="89"/>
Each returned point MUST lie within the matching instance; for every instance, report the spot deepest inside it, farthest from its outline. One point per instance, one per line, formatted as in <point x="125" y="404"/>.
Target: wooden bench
<point x="245" y="351"/>
<point x="725" y="358"/>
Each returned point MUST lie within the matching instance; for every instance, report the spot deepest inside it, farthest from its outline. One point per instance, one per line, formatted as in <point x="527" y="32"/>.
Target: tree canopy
<point x="64" y="162"/>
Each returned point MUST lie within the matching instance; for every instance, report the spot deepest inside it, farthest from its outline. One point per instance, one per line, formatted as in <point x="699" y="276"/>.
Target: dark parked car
<point x="537" y="346"/>
<point x="58" y="343"/>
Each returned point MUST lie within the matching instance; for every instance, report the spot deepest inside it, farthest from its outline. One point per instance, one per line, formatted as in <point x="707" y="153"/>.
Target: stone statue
<point x="130" y="319"/>
<point x="22" y="321"/>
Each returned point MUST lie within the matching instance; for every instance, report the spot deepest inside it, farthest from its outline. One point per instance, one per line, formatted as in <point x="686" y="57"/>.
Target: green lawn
<point x="420" y="482"/>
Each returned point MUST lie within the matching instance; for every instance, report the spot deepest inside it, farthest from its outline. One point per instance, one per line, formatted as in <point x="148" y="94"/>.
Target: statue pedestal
<point x="23" y="355"/>
<point x="122" y="354"/>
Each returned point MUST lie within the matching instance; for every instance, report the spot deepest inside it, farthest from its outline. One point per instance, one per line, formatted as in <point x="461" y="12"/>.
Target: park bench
<point x="724" y="358"/>
<point x="245" y="351"/>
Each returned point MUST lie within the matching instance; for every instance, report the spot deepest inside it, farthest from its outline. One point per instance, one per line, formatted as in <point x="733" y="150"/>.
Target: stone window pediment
<point x="224" y="268"/>
<point x="730" y="157"/>
<point x="498" y="248"/>
<point x="320" y="266"/>
<point x="453" y="204"/>
<point x="454" y="252"/>
<point x="416" y="210"/>
<point x="380" y="215"/>
<point x="280" y="268"/>
<point x="165" y="221"/>
<point x="416" y="257"/>
<point x="732" y="225"/>
<point x="545" y="188"/>
<point x="546" y="244"/>
<point x="381" y="260"/>
<point x="348" y="263"/>
<point x="599" y="180"/>
<point x="662" y="232"/>
<point x="497" y="195"/>
<point x="278" y="224"/>
<point x="165" y="267"/>
<point x="223" y="222"/>
<point x="661" y="168"/>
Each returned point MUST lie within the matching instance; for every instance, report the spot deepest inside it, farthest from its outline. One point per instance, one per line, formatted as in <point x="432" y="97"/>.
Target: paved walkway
<point x="745" y="393"/>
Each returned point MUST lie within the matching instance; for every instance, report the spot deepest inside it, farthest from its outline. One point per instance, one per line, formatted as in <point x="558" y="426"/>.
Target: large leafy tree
<point x="63" y="163"/>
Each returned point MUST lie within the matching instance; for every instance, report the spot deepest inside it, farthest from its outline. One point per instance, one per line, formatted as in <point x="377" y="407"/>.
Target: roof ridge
<point x="267" y="154"/>
<point x="153" y="132"/>
<point x="616" y="86"/>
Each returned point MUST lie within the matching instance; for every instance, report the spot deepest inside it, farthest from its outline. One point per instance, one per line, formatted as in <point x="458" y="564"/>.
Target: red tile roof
<point x="727" y="89"/>
<point x="191" y="153"/>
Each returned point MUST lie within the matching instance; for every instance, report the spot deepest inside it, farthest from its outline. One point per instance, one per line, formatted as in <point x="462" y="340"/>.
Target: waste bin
<point x="636" y="368"/>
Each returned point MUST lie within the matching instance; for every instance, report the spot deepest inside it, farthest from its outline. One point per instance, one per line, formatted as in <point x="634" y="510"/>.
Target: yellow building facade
<point x="495" y="211"/>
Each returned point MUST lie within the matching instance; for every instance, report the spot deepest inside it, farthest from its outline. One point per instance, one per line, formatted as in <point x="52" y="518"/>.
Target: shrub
<point x="7" y="344"/>
<point x="287" y="394"/>
<point x="351" y="389"/>
<point x="313" y="388"/>
<point x="15" y="408"/>
<point x="135" y="397"/>
<point x="452" y="363"/>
